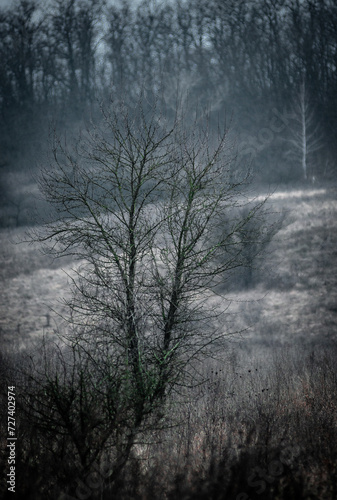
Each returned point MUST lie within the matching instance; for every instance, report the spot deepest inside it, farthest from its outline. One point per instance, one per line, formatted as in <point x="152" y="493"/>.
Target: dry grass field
<point x="264" y="424"/>
<point x="294" y="299"/>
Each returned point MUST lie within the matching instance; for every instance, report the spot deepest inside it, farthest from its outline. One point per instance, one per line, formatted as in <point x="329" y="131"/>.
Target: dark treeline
<point x="253" y="59"/>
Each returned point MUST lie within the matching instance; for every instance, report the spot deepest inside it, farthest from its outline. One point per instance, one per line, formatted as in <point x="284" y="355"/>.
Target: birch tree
<point x="306" y="136"/>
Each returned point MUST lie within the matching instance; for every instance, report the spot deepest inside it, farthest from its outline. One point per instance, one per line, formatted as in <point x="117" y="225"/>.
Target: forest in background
<point x="267" y="67"/>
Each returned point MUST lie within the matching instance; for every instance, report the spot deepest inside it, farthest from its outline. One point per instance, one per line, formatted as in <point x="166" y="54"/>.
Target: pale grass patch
<point x="294" y="194"/>
<point x="296" y="301"/>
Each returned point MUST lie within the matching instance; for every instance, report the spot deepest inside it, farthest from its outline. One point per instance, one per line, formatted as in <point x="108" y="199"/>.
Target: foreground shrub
<point x="250" y="432"/>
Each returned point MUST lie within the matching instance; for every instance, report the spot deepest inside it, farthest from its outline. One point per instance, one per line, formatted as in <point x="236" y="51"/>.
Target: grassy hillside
<point x="264" y="424"/>
<point x="294" y="298"/>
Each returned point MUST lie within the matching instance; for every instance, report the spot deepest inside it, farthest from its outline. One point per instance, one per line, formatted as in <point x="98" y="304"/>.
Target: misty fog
<point x="262" y="66"/>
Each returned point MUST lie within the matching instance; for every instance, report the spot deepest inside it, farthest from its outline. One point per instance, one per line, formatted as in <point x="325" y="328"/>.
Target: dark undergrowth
<point x="256" y="429"/>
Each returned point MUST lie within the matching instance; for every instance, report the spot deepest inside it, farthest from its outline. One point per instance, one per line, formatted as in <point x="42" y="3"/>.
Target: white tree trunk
<point x="304" y="131"/>
<point x="306" y="137"/>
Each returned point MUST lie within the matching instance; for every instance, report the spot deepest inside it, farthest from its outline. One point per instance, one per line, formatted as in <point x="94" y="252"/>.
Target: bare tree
<point x="140" y="204"/>
<point x="306" y="136"/>
<point x="74" y="31"/>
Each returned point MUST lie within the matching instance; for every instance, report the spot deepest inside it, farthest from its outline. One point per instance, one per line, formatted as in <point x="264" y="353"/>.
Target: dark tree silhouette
<point x="140" y="203"/>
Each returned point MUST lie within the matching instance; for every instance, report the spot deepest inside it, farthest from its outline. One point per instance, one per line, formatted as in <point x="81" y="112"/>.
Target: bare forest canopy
<point x="270" y="64"/>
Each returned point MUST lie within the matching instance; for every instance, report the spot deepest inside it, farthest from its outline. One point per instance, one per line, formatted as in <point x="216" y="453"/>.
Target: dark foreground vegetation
<point x="259" y="430"/>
